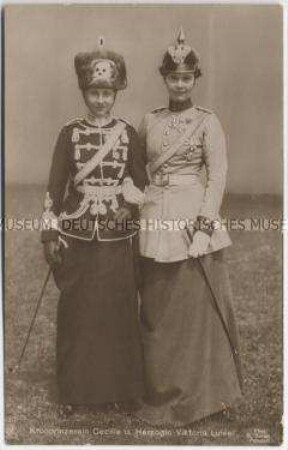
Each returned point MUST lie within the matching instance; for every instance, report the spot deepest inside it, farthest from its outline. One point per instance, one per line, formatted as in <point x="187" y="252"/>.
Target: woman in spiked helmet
<point x="95" y="185"/>
<point x="190" y="339"/>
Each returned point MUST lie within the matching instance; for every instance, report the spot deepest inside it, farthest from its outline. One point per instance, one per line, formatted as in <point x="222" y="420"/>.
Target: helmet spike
<point x="180" y="50"/>
<point x="181" y="36"/>
<point x="101" y="42"/>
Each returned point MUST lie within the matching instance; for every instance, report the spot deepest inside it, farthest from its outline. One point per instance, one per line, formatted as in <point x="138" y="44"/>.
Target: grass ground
<point x="255" y="262"/>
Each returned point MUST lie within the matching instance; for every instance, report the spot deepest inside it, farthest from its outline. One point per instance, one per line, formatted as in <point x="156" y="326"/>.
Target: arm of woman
<point x="58" y="178"/>
<point x="137" y="160"/>
<point x="134" y="184"/>
<point x="215" y="160"/>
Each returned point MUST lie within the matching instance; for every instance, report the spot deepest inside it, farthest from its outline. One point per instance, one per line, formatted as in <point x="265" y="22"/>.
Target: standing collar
<point x="99" y="122"/>
<point x="180" y="106"/>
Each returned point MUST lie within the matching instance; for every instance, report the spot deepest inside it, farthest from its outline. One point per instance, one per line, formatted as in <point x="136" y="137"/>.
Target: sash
<point x="154" y="165"/>
<point x="99" y="156"/>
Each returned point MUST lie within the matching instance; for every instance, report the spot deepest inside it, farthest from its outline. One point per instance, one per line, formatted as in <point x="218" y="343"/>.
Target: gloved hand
<point x="52" y="252"/>
<point x="122" y="214"/>
<point x="131" y="193"/>
<point x="199" y="245"/>
<point x="153" y="194"/>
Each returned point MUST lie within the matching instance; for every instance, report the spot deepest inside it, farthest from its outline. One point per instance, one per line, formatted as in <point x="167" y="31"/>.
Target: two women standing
<point x="189" y="337"/>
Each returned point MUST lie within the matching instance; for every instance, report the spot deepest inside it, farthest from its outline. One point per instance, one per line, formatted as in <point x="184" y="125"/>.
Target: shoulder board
<point x="156" y="110"/>
<point x="124" y="120"/>
<point x="207" y="111"/>
<point x="74" y="121"/>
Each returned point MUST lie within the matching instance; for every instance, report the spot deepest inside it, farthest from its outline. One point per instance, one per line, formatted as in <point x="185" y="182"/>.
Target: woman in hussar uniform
<point x="191" y="354"/>
<point x="95" y="184"/>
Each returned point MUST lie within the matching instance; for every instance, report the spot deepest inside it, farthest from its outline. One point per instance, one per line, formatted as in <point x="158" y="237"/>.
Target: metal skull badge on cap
<point x="100" y="69"/>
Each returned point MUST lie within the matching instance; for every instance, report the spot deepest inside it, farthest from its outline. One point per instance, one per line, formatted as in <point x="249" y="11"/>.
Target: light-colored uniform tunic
<point x="186" y="195"/>
<point x="190" y="368"/>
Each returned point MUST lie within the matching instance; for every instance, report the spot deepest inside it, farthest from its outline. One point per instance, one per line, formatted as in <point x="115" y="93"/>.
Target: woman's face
<point x="180" y="85"/>
<point x="99" y="101"/>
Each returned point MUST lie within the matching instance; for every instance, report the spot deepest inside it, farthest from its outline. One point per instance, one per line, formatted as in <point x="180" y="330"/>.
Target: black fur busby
<point x="101" y="69"/>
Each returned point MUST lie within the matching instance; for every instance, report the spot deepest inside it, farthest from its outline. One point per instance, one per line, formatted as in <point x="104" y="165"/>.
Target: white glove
<point x="152" y="196"/>
<point x="199" y="245"/>
<point x="131" y="193"/>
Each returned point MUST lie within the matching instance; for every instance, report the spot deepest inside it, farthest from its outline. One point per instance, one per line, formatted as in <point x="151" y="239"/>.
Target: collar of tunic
<point x="99" y="122"/>
<point x="180" y="106"/>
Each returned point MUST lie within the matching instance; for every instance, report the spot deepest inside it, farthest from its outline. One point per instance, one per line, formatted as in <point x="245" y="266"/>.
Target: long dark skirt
<point x="191" y="370"/>
<point x="99" y="357"/>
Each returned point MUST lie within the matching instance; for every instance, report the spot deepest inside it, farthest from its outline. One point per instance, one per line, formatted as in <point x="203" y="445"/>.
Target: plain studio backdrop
<point x="240" y="49"/>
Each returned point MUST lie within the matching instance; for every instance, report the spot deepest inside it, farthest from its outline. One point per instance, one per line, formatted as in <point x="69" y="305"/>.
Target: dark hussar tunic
<point x="98" y="347"/>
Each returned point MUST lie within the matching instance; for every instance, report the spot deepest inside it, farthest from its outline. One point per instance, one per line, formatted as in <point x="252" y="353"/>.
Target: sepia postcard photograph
<point x="142" y="224"/>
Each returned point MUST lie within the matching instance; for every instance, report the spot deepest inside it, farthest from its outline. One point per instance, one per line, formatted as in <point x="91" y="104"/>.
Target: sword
<point x="17" y="366"/>
<point x="203" y="271"/>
